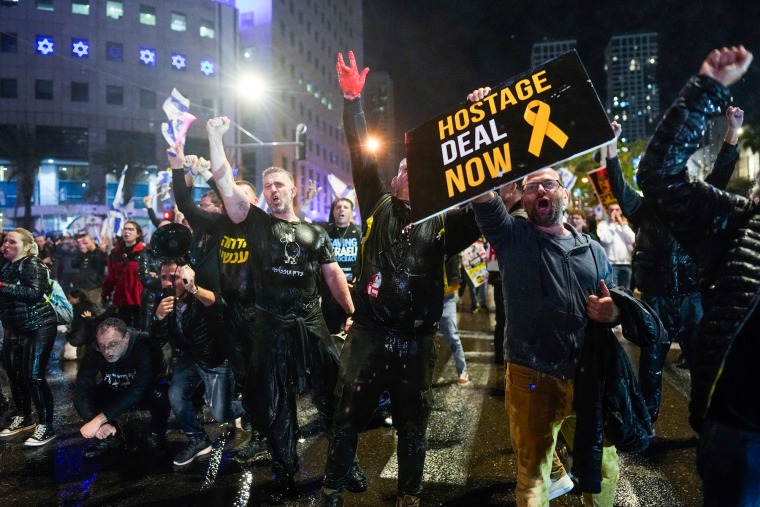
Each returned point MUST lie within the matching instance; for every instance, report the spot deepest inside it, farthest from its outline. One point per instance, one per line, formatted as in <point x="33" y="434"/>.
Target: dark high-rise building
<point x="633" y="97"/>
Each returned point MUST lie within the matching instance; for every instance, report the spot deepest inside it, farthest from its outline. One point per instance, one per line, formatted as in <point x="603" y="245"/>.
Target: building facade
<point x="85" y="81"/>
<point x="633" y="97"/>
<point x="291" y="47"/>
<point x="543" y="51"/>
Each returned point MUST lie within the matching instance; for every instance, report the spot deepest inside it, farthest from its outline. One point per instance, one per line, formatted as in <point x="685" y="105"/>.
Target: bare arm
<point x="235" y="202"/>
<point x="336" y="282"/>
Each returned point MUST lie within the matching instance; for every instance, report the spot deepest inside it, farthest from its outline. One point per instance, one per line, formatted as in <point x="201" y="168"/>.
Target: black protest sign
<point x="542" y="117"/>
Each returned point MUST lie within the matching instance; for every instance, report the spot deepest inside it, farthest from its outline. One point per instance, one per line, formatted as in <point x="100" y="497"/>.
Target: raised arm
<point x="728" y="155"/>
<point x="629" y="200"/>
<point x="235" y="202"/>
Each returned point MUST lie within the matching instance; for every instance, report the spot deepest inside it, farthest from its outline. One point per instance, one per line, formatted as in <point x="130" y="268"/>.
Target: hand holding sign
<point x="351" y="81"/>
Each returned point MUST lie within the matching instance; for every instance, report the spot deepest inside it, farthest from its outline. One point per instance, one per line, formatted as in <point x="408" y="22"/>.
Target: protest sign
<point x="542" y="117"/>
<point x="601" y="183"/>
<point x="474" y="263"/>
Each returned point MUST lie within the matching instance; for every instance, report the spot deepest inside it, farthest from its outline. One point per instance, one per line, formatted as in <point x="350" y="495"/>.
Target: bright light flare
<point x="252" y="87"/>
<point x="372" y="144"/>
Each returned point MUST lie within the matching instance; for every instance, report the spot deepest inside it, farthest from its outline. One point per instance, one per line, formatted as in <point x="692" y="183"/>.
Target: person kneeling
<point x="133" y="373"/>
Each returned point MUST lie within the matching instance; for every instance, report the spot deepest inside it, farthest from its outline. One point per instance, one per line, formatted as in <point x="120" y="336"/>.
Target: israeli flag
<point x="176" y="107"/>
<point x="568" y="178"/>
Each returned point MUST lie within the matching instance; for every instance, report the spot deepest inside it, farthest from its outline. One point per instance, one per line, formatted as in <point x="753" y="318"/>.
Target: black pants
<point x="25" y="359"/>
<point x="371" y="362"/>
<point x="272" y="384"/>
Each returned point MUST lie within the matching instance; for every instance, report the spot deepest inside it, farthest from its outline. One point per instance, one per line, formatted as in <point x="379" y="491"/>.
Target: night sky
<point x="436" y="51"/>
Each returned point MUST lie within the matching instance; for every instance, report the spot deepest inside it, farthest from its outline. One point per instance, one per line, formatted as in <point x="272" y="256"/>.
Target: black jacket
<point x="401" y="263"/>
<point x="129" y="378"/>
<point x="660" y="266"/>
<point x="200" y="336"/>
<point x="23" y="305"/>
<point x="607" y="400"/>
<point x="721" y="231"/>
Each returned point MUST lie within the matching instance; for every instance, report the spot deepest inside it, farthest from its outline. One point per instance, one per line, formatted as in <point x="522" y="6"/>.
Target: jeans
<point x="728" y="462"/>
<point x="370" y="362"/>
<point x="218" y="383"/>
<point x="621" y="275"/>
<point x="680" y="315"/>
<point x="478" y="295"/>
<point x="538" y="406"/>
<point x="450" y="331"/>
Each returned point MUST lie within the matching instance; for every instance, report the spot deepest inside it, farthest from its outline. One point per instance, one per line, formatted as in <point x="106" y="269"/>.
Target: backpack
<point x="64" y="312"/>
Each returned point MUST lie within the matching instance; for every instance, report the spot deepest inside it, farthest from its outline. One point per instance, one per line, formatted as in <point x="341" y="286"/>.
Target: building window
<point x="8" y="88"/>
<point x="80" y="48"/>
<point x="45" y="5"/>
<point x="80" y="7"/>
<point x="179" y="61"/>
<point x="8" y="42"/>
<point x="43" y="89"/>
<point x="147" y="99"/>
<point x="115" y="95"/>
<point x="114" y="10"/>
<point x="148" y="15"/>
<point x="148" y="56"/>
<point x="207" y="67"/>
<point x="207" y="29"/>
<point x="45" y="45"/>
<point x="114" y="51"/>
<point x="179" y="22"/>
<point x="207" y="106"/>
<point x="80" y="92"/>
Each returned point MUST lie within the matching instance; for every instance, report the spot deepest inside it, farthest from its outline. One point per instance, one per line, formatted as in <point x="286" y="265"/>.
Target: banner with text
<point x="542" y="117"/>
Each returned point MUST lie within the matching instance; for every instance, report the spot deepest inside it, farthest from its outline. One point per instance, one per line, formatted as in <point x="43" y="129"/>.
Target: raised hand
<point x="726" y="65"/>
<point x="479" y="94"/>
<point x="351" y="81"/>
<point x="735" y="117"/>
<point x="217" y="127"/>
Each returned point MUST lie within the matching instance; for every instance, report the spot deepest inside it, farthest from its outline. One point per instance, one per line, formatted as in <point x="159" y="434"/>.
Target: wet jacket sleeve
<point x="630" y="201"/>
<point x="33" y="284"/>
<point x="693" y="211"/>
<point x="196" y="217"/>
<point x="723" y="167"/>
<point x="364" y="168"/>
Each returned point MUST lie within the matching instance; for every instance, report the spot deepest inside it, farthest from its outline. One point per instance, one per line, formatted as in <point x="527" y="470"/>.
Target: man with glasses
<point x="189" y="318"/>
<point x="133" y="375"/>
<point x="551" y="274"/>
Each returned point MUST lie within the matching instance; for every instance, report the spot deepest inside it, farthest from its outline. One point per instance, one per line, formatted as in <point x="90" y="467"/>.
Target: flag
<point x="340" y="189"/>
<point x="119" y="211"/>
<point x="568" y="178"/>
<point x="176" y="108"/>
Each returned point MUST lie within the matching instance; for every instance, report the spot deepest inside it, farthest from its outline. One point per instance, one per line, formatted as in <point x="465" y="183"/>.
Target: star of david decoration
<point x="207" y="67"/>
<point x="148" y="56"/>
<point x="45" y="45"/>
<point x="80" y="48"/>
<point x="179" y="62"/>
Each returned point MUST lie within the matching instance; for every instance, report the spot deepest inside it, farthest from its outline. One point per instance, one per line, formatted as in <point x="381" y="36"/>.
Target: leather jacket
<point x="660" y="266"/>
<point x="721" y="231"/>
<point x="607" y="400"/>
<point x="23" y="304"/>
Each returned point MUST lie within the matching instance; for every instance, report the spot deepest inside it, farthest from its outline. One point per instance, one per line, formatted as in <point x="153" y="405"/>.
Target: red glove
<point x="351" y="82"/>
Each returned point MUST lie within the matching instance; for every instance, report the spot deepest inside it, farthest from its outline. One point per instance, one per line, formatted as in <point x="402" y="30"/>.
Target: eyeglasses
<point x="110" y="345"/>
<point x="549" y="185"/>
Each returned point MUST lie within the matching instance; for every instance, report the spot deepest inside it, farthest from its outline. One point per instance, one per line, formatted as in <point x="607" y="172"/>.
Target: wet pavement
<point x="469" y="461"/>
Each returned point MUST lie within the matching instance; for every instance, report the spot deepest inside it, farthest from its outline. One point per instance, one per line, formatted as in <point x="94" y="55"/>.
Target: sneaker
<point x="196" y="446"/>
<point x="42" y="435"/>
<point x="464" y="378"/>
<point x="408" y="501"/>
<point x="101" y="447"/>
<point x="254" y="451"/>
<point x="561" y="486"/>
<point x="334" y="499"/>
<point x="19" y="424"/>
<point x="357" y="481"/>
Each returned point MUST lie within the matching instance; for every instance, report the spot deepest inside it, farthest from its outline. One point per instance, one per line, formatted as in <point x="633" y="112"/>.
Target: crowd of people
<point x="243" y="320"/>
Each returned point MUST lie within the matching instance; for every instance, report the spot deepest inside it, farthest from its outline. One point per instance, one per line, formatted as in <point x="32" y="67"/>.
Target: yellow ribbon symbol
<point x="542" y="127"/>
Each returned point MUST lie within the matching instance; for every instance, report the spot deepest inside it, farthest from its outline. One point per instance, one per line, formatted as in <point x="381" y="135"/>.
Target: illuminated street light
<point x="372" y="144"/>
<point x="252" y="87"/>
